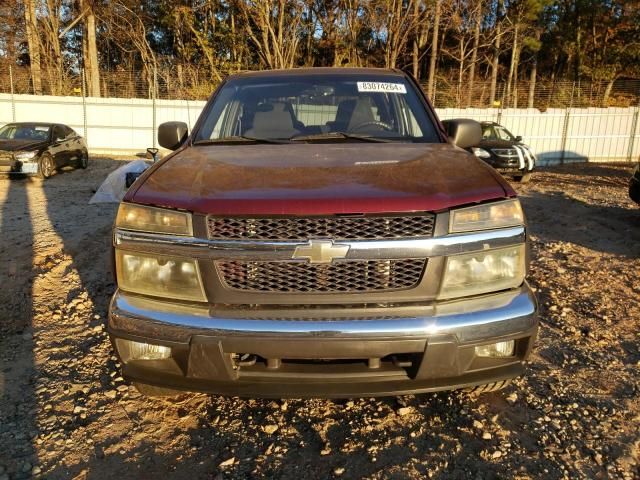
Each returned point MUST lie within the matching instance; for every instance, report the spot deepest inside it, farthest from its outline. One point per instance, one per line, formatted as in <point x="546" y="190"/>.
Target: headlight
<point x="483" y="272"/>
<point x="480" y="152"/>
<point x="157" y="275"/>
<point x="151" y="219"/>
<point x="484" y="217"/>
<point x="24" y="155"/>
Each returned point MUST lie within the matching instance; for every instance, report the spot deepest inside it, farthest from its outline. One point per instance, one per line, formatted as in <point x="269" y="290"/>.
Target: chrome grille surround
<point x="354" y="276"/>
<point x="366" y="227"/>
<point x="209" y="252"/>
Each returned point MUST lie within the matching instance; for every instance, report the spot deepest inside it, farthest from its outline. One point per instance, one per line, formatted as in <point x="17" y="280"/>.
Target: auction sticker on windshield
<point x="381" y="87"/>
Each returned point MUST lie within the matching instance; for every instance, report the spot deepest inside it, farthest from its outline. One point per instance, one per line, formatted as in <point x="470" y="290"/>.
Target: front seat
<point x="343" y="115"/>
<point x="272" y="121"/>
<point x="362" y="113"/>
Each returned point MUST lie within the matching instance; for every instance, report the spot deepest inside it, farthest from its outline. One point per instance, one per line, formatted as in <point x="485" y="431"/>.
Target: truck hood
<point x="319" y="179"/>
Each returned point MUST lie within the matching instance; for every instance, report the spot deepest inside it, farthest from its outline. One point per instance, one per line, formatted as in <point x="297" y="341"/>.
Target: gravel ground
<point x="65" y="412"/>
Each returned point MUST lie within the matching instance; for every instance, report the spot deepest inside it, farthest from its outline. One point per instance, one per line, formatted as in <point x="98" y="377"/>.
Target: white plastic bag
<point x="114" y="187"/>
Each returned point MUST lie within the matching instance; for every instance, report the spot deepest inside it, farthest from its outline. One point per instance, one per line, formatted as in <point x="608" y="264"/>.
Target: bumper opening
<point x="402" y="364"/>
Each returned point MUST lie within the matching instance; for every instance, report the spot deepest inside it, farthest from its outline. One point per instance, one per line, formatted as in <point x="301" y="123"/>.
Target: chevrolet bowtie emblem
<point x="320" y="251"/>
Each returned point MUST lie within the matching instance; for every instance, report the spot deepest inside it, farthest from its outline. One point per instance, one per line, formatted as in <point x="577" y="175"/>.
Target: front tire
<point x="486" y="388"/>
<point x="83" y="162"/>
<point x="46" y="166"/>
<point x="526" y="178"/>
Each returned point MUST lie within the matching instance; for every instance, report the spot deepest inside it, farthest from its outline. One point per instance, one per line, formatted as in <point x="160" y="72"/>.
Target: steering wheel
<point x="372" y="123"/>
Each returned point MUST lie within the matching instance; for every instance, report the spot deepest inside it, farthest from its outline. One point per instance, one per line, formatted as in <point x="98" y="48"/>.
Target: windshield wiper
<point x="238" y="139"/>
<point x="338" y="135"/>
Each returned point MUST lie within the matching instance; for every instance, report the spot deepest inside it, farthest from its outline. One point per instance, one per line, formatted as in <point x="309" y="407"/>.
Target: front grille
<point x="336" y="228"/>
<point x="6" y="158"/>
<point x="351" y="276"/>
<point x="506" y="152"/>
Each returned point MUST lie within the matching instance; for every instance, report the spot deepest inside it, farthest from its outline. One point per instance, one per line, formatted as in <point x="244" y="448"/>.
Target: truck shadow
<point x="48" y="243"/>
<point x="363" y="438"/>
<point x="559" y="157"/>
<point x="84" y="230"/>
<point x="557" y="217"/>
<point x="18" y="422"/>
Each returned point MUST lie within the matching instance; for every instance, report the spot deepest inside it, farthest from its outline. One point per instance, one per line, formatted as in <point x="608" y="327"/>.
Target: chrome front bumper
<point x="329" y="352"/>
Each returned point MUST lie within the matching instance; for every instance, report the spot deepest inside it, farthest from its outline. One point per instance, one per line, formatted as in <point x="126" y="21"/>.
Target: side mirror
<point x="153" y="153"/>
<point x="518" y="138"/>
<point x="463" y="132"/>
<point x="171" y="135"/>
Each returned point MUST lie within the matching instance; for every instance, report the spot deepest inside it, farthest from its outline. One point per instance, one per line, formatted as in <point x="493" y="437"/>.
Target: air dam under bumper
<point x="333" y="353"/>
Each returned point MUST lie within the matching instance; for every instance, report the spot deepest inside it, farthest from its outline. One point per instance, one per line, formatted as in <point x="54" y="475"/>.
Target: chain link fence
<point x="188" y="82"/>
<point x="567" y="121"/>
<point x="544" y="95"/>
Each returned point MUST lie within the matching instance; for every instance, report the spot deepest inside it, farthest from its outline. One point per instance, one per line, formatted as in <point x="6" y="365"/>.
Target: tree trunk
<point x="52" y="52"/>
<point x="474" y="54"/>
<point x="513" y="64"/>
<point x="578" y="57"/>
<point x="415" y="58"/>
<point x="234" y="43"/>
<point x="534" y="72"/>
<point x="460" y="73"/>
<point x="532" y="81"/>
<point x="34" y="45"/>
<point x="415" y="53"/>
<point x="92" y="69"/>
<point x="495" y="65"/>
<point x="431" y="85"/>
<point x="607" y="92"/>
<point x="515" y="79"/>
<point x="309" y="40"/>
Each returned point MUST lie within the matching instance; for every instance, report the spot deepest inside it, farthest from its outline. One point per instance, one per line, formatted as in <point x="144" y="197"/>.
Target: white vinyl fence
<point x="112" y="126"/>
<point x="128" y="126"/>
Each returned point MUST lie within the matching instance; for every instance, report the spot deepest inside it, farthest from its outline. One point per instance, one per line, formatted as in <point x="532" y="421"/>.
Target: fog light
<point x="500" y="349"/>
<point x="130" y="350"/>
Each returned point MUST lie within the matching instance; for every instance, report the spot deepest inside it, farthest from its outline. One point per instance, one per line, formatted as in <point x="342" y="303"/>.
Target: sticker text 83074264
<point x="381" y="87"/>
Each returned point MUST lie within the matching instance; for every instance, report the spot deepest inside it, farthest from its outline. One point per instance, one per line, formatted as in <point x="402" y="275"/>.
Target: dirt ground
<point x="65" y="412"/>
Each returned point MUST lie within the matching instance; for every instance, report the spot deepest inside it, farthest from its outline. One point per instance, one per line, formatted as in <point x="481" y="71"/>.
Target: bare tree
<point x="421" y="36"/>
<point x="465" y="31"/>
<point x="273" y="26"/>
<point x="395" y="22"/>
<point x="431" y="86"/>
<point x="51" y="45"/>
<point x="202" y="33"/>
<point x="33" y="40"/>
<point x="354" y="18"/>
<point x="477" y="15"/>
<point x="497" y="44"/>
<point x="90" y="49"/>
<point x="128" y="30"/>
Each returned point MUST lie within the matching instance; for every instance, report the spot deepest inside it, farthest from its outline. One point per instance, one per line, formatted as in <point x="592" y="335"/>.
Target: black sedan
<point x="37" y="148"/>
<point x="505" y="152"/>
<point x="634" y="185"/>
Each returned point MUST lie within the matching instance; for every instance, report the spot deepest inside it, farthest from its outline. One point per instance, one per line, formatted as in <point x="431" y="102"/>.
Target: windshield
<point x="24" y="132"/>
<point x="324" y="107"/>
<point x="496" y="132"/>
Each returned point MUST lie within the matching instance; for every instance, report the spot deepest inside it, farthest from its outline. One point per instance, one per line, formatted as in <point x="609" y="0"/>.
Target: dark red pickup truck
<point x="320" y="233"/>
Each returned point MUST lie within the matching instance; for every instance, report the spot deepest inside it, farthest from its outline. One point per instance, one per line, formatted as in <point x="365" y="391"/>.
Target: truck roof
<point x="314" y="71"/>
